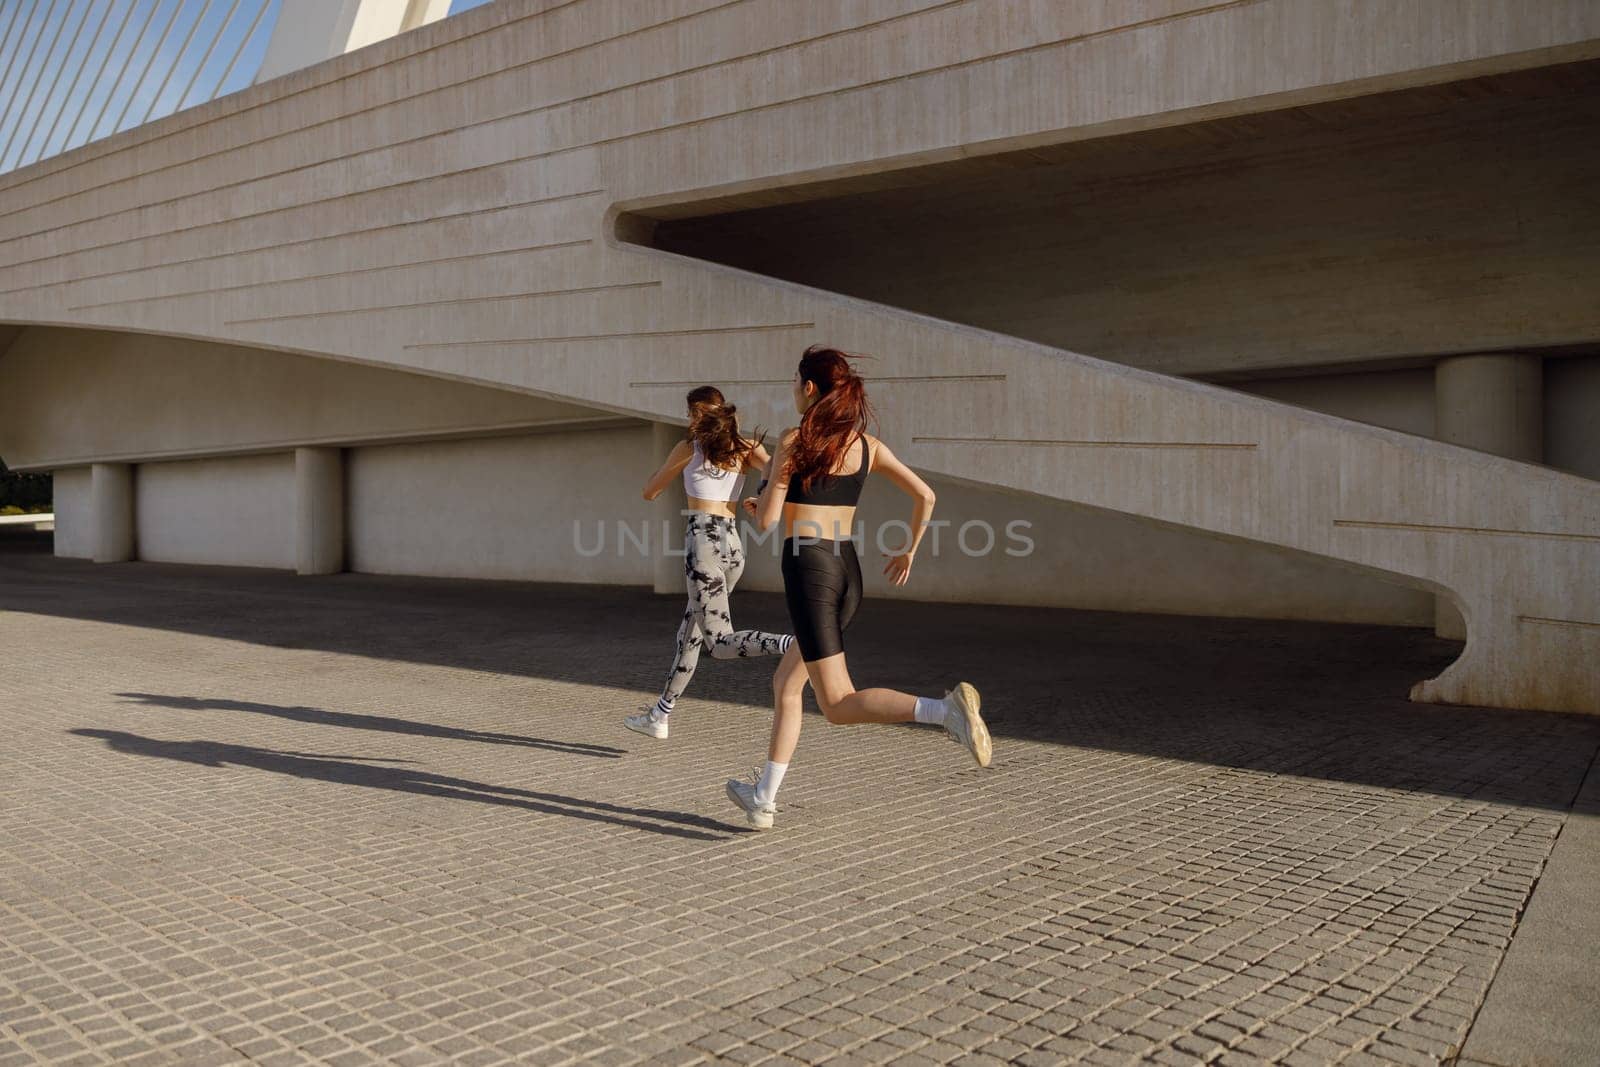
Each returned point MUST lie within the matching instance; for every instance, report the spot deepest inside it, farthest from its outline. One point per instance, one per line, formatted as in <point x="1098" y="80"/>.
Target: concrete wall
<point x="500" y="507"/>
<point x="235" y="512"/>
<point x="74" y="532"/>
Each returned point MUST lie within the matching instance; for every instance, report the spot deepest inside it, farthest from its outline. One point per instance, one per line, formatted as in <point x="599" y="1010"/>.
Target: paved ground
<point x="359" y="819"/>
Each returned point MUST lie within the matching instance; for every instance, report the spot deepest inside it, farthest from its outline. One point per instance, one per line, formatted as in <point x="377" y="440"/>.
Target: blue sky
<point x="74" y="71"/>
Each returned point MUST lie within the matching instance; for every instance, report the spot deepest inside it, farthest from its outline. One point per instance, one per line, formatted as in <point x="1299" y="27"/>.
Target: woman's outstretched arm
<point x="769" y="506"/>
<point x="677" y="459"/>
<point x="883" y="459"/>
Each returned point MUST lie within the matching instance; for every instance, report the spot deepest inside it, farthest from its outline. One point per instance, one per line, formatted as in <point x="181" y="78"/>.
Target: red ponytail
<point x="840" y="414"/>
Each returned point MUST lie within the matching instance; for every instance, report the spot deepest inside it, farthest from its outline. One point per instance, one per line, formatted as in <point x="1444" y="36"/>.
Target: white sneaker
<point x="644" y="724"/>
<point x="756" y="813"/>
<point x="965" y="726"/>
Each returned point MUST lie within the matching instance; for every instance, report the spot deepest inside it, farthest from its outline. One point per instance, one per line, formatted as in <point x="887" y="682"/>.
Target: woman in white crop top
<point x="713" y="460"/>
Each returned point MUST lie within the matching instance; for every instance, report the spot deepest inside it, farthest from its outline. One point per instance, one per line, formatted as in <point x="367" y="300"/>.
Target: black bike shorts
<point x="822" y="583"/>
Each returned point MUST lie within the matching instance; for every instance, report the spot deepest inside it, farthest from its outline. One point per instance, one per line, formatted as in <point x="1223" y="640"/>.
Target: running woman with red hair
<point x="816" y="481"/>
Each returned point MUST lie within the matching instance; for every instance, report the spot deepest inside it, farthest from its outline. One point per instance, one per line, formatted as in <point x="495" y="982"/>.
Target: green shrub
<point x="10" y="509"/>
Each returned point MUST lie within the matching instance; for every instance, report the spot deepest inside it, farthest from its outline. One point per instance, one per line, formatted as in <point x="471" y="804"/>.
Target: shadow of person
<point x="355" y="770"/>
<point x="356" y="721"/>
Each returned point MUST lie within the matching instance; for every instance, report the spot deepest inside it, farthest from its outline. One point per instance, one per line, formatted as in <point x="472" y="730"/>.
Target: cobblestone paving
<point x="360" y="820"/>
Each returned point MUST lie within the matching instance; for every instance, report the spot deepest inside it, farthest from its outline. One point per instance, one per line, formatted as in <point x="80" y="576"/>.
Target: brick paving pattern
<point x="245" y="816"/>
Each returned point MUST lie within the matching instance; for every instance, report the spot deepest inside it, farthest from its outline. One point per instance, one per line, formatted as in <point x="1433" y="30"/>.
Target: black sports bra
<point x="835" y="490"/>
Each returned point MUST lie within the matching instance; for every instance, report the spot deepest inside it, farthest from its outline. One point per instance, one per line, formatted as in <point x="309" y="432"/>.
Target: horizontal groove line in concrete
<point x="1423" y="527"/>
<point x="335" y="274"/>
<point x="1543" y="621"/>
<point x="869" y="378"/>
<point x="574" y="291"/>
<point x="752" y="328"/>
<point x="269" y="247"/>
<point x="1230" y="446"/>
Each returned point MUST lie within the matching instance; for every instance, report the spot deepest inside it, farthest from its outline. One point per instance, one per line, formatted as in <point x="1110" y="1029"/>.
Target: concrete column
<point x="319" y="510"/>
<point x="666" y="514"/>
<point x="1492" y="402"/>
<point x="111" y="512"/>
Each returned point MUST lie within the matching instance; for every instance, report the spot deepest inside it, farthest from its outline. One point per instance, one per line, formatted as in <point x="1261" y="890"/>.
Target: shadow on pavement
<point x="1320" y="700"/>
<point x="352" y="770"/>
<point x="381" y="723"/>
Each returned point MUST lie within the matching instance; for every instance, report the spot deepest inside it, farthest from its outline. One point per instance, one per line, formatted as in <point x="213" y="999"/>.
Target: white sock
<point x="660" y="711"/>
<point x="771" y="778"/>
<point x="930" y="710"/>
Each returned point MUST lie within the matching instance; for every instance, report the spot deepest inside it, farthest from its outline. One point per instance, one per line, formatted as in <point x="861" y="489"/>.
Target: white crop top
<point x="704" y="482"/>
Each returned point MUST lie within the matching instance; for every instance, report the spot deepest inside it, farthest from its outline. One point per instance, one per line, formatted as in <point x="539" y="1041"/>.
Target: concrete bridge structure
<point x="419" y="307"/>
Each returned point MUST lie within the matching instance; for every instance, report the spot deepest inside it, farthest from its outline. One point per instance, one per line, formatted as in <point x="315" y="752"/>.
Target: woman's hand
<point x="757" y="459"/>
<point x="749" y="505"/>
<point x="899" y="567"/>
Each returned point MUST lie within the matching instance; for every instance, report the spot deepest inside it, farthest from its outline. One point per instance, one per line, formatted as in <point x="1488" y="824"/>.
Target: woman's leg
<point x="758" y="798"/>
<point x="717" y="613"/>
<point x="653" y="722"/>
<point x="822" y="584"/>
<point x="788" y="690"/>
<point x="842" y="702"/>
<point x="956" y="711"/>
<point x="684" y="660"/>
<point x="691" y="637"/>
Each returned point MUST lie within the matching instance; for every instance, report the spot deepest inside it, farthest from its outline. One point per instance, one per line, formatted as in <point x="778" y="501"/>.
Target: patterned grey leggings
<point x="712" y="563"/>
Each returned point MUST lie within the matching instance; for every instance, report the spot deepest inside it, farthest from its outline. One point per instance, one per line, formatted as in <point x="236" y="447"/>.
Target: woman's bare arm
<point x="905" y="479"/>
<point x="769" y="506"/>
<point x="676" y="460"/>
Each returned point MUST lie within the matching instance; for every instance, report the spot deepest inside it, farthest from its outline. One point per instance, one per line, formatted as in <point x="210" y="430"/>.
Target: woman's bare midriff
<point x="724" y="508"/>
<point x="818" y="522"/>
